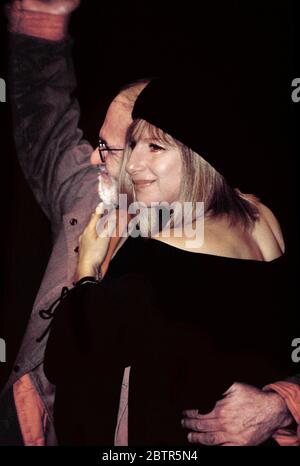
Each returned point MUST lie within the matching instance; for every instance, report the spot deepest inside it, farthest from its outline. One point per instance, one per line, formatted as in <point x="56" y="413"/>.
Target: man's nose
<point x="95" y="157"/>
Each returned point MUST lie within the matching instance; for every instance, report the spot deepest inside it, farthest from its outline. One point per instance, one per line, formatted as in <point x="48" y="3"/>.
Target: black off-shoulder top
<point x="188" y="324"/>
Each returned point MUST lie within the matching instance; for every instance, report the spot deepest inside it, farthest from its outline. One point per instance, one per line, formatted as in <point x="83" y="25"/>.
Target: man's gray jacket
<point x="56" y="162"/>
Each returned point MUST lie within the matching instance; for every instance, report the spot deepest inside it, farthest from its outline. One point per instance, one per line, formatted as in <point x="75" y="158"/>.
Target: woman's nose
<point x="136" y="162"/>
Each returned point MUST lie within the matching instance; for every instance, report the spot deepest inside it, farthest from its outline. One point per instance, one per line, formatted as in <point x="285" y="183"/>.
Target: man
<point x="63" y="176"/>
<point x="60" y="167"/>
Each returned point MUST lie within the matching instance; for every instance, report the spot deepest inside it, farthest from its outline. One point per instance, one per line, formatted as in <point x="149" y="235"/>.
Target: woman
<point x="188" y="321"/>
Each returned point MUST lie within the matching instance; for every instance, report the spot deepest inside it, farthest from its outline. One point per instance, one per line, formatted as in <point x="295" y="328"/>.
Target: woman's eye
<point x="155" y="147"/>
<point x="132" y="145"/>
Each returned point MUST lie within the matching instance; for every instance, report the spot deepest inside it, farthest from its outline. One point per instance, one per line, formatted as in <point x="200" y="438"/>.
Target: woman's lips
<point x="140" y="184"/>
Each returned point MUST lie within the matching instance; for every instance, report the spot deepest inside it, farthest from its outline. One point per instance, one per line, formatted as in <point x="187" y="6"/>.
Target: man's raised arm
<point x="50" y="148"/>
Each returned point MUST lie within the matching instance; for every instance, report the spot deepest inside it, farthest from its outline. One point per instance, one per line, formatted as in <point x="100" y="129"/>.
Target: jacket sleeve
<point x="51" y="150"/>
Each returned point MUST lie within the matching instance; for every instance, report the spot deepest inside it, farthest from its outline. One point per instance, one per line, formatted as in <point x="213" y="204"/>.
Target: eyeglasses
<point x="104" y="150"/>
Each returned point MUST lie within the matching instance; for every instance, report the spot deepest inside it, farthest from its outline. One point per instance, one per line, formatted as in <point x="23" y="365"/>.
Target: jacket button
<point x="16" y="368"/>
<point x="73" y="221"/>
<point x="76" y="249"/>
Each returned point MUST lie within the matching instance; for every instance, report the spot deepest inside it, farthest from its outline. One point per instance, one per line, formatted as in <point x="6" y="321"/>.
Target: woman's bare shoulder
<point x="263" y="243"/>
<point x="219" y="239"/>
<point x="267" y="220"/>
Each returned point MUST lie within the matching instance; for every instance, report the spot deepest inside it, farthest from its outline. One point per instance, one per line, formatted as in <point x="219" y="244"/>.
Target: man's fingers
<point x="106" y="223"/>
<point x="123" y="219"/>
<point x="235" y="386"/>
<point x="192" y="413"/>
<point x="210" y="438"/>
<point x="198" y="425"/>
<point x="230" y="444"/>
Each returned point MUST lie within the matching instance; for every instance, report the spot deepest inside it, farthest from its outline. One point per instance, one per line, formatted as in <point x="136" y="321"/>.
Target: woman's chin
<point x="151" y="201"/>
<point x="146" y="201"/>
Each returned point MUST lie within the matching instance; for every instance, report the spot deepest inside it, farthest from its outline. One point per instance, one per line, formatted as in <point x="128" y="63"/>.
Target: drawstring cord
<point x="47" y="314"/>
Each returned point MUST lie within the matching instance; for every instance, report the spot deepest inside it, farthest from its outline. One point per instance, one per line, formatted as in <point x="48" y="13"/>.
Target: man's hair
<point x="200" y="181"/>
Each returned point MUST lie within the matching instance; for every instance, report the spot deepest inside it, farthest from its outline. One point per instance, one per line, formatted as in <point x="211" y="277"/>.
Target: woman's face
<point x="155" y="169"/>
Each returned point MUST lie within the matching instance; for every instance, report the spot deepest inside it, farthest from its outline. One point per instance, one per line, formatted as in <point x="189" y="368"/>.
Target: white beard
<point x="108" y="192"/>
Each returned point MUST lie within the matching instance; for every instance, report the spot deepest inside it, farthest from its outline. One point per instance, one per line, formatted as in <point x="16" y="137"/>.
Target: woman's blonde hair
<point x="200" y="181"/>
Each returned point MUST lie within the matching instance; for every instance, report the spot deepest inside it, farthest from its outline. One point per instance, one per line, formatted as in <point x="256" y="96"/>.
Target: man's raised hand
<point x="54" y="7"/>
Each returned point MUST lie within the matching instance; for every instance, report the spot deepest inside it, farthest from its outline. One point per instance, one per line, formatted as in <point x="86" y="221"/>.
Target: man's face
<point x="113" y="134"/>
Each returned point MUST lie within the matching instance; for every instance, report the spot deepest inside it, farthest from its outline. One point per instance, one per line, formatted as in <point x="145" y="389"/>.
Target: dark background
<point x="119" y="41"/>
